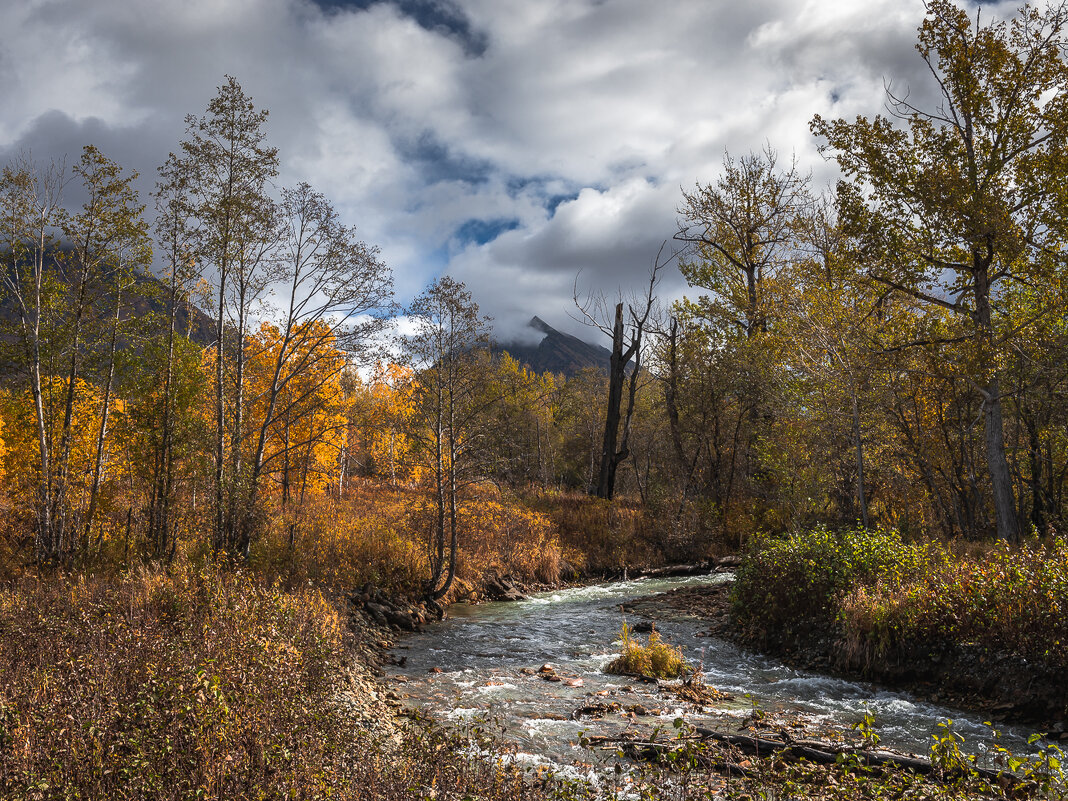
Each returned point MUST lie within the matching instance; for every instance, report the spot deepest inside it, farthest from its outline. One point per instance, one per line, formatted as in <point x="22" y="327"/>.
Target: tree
<point x="175" y="239"/>
<point x="32" y="209"/>
<point x="336" y="294"/>
<point x="226" y="166"/>
<point x="742" y="236"/>
<point x="66" y="273"/>
<point x="626" y="346"/>
<point x="110" y="244"/>
<point x="955" y="201"/>
<point x="448" y="401"/>
<point x="828" y="312"/>
<point x="742" y="232"/>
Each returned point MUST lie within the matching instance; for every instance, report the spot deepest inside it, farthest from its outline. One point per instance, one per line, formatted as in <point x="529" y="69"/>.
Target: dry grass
<point x="378" y="534"/>
<point x="198" y="684"/>
<point x="603" y="536"/>
<point x="654" y="660"/>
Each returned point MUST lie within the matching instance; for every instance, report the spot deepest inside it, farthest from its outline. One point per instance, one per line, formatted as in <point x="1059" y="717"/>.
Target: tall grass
<point x="379" y="534"/>
<point x="655" y="660"/>
<point x="598" y="535"/>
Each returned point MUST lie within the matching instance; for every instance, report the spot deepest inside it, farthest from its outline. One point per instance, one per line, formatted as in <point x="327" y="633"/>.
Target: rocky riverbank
<point x="1002" y="687"/>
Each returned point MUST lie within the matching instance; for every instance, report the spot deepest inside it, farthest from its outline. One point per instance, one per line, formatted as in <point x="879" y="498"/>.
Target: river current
<point x="488" y="655"/>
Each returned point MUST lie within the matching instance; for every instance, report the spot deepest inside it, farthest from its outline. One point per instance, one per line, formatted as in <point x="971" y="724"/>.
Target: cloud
<point x="515" y="145"/>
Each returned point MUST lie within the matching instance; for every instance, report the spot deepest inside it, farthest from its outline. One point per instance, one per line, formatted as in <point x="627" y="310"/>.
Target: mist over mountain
<point x="556" y="352"/>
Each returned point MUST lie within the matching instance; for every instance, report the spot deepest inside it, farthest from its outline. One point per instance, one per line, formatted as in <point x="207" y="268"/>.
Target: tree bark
<point x="617" y="373"/>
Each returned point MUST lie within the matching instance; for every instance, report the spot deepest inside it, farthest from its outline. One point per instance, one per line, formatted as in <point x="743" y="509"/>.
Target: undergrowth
<point x="877" y="593"/>
<point x="196" y="683"/>
<point x="377" y="534"/>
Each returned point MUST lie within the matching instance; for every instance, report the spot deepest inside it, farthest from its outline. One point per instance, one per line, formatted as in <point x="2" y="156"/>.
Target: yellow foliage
<point x="305" y="437"/>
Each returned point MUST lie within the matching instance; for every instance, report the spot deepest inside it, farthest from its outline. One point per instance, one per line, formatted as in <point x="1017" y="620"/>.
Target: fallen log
<point x="825" y="754"/>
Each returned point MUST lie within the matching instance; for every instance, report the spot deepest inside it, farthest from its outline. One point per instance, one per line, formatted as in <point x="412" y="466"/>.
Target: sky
<point x="525" y="147"/>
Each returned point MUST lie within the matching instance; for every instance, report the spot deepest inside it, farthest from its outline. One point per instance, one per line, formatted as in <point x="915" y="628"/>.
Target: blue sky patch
<point x="438" y="16"/>
<point x="479" y="232"/>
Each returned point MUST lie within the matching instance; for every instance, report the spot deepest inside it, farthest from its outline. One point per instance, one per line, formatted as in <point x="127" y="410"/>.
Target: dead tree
<point x="626" y="347"/>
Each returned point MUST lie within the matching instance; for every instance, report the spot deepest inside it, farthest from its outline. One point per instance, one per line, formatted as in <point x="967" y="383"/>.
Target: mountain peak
<point x="557" y="352"/>
<point x="539" y="324"/>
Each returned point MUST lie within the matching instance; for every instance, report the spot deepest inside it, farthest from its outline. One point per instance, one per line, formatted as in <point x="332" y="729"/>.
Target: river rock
<point x="596" y="710"/>
<point x="401" y="620"/>
<point x="501" y="588"/>
<point x="377" y="612"/>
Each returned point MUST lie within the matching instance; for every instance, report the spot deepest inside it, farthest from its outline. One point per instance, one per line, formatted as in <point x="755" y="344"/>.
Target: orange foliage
<point x="379" y="424"/>
<point x="376" y="533"/>
<point x="305" y="437"/>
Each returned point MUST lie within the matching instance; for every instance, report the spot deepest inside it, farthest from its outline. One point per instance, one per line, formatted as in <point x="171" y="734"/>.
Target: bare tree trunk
<point x="98" y="462"/>
<point x="220" y="420"/>
<point x="859" y="445"/>
<point x="998" y="465"/>
<point x="617" y="368"/>
<point x="1008" y="527"/>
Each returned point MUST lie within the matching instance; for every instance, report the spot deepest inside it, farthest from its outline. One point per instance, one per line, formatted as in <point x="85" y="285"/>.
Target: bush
<point x="1009" y="599"/>
<point x="880" y="595"/>
<point x="196" y="683"/>
<point x="792" y="582"/>
<point x="657" y="660"/>
<point x="163" y="684"/>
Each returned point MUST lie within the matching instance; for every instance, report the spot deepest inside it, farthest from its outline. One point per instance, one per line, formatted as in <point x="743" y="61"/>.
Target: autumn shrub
<point x="790" y="582"/>
<point x="1012" y="599"/>
<point x="503" y="536"/>
<point x="655" y="659"/>
<point x="880" y="596"/>
<point x="200" y="683"/>
<point x="378" y="533"/>
<point x="370" y="536"/>
<point x="176" y="684"/>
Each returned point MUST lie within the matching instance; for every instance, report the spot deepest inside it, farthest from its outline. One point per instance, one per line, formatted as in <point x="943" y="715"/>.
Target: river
<point x="482" y="650"/>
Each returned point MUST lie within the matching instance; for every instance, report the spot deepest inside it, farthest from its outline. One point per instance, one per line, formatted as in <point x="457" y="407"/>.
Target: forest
<point x="206" y="405"/>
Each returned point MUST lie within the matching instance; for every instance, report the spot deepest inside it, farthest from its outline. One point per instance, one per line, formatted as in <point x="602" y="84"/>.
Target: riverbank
<point x="535" y="672"/>
<point x="196" y="681"/>
<point x="814" y="603"/>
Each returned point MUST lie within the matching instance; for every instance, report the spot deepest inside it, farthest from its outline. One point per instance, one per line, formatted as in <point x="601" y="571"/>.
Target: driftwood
<point x="810" y="750"/>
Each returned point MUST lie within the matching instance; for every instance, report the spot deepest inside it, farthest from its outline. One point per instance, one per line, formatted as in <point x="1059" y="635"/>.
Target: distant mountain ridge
<point x="557" y="352"/>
